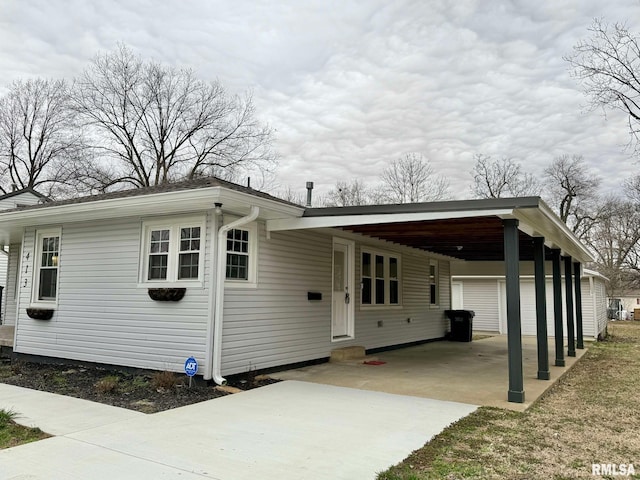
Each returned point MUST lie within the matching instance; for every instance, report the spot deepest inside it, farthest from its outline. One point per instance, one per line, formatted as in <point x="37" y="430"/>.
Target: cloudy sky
<point x="351" y="85"/>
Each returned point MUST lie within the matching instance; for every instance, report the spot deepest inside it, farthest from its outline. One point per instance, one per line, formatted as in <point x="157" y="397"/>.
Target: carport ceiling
<point x="474" y="239"/>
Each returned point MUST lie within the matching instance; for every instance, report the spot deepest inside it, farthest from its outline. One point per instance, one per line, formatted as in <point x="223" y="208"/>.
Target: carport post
<point x="557" y="307"/>
<point x="571" y="340"/>
<point x="579" y="333"/>
<point x="541" y="309"/>
<point x="514" y="338"/>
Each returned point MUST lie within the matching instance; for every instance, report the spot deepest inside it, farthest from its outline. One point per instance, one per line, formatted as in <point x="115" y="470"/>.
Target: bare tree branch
<point x="572" y="192"/>
<point x="40" y="141"/>
<point x="157" y="124"/>
<point x="345" y="194"/>
<point x="501" y="178"/>
<point x="411" y="179"/>
<point x="608" y="66"/>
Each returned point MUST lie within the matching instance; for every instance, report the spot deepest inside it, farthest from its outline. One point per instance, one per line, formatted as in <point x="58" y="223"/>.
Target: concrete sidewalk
<point x="288" y="430"/>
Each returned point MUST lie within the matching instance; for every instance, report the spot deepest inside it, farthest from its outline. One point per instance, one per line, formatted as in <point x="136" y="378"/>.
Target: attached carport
<point x="509" y="230"/>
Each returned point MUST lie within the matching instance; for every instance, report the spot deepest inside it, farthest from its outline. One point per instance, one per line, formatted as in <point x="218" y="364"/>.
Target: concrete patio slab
<point x="474" y="373"/>
<point x="288" y="430"/>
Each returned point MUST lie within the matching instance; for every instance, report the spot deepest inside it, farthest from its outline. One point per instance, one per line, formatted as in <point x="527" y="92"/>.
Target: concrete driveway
<point x="474" y="373"/>
<point x="289" y="430"/>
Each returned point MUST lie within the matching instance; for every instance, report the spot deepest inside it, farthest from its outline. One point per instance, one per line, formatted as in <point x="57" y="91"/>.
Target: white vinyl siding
<point x="598" y="299"/>
<point x="10" y="295"/>
<point x="4" y="263"/>
<point x="276" y="324"/>
<point x="102" y="315"/>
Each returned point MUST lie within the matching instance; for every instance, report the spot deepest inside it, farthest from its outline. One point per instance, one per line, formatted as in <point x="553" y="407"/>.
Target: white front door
<point x="342" y="291"/>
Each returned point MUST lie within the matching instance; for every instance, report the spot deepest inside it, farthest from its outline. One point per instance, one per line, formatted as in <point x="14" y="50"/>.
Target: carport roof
<point x="463" y="229"/>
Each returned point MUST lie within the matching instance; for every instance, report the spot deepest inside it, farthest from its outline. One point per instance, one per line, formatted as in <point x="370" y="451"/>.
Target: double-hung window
<point x="380" y="278"/>
<point x="47" y="263"/>
<point x="241" y="258"/>
<point x="173" y="251"/>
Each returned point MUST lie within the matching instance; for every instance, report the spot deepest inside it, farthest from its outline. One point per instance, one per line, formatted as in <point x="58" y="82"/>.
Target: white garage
<point x="486" y="296"/>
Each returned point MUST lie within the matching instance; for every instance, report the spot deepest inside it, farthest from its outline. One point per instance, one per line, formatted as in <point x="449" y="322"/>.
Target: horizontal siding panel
<point x="102" y="315"/>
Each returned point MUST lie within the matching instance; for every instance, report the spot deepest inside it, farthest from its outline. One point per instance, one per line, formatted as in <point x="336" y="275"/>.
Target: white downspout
<point x="214" y="345"/>
<point x="208" y="355"/>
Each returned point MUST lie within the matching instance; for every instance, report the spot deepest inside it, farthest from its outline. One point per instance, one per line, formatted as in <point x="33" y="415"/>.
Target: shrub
<point x="108" y="384"/>
<point x="6" y="416"/>
<point x="164" y="380"/>
<point x="17" y="366"/>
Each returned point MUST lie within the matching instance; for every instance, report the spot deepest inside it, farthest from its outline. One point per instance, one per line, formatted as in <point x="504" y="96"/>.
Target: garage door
<point x="528" y="307"/>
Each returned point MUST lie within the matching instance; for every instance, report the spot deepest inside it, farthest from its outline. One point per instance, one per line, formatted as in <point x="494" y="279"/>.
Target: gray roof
<point x="197" y="183"/>
<point x="24" y="190"/>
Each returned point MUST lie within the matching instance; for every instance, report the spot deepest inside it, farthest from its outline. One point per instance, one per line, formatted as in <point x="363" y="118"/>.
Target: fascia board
<point x="543" y="222"/>
<point x="373" y="219"/>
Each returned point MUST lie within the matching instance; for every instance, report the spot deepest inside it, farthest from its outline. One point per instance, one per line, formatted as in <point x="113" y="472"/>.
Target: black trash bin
<point x="461" y="324"/>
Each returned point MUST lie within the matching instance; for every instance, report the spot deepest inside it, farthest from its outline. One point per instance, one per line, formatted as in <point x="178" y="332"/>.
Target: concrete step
<point x="347" y="353"/>
<point x="6" y="335"/>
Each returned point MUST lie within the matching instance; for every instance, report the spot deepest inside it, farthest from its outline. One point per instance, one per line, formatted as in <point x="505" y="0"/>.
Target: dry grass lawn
<point x="592" y="415"/>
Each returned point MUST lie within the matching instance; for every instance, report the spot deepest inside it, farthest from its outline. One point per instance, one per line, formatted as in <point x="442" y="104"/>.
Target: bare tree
<point x="290" y="195"/>
<point x="345" y="194"/>
<point x="41" y="146"/>
<point x="572" y="191"/>
<point x="615" y="239"/>
<point x="411" y="179"/>
<point x="157" y="124"/>
<point x="501" y="178"/>
<point x="608" y="65"/>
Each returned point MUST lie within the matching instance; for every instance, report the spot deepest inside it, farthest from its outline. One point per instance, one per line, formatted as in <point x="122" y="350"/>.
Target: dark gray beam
<point x="571" y="339"/>
<point x="541" y="309"/>
<point x="578" y="289"/>
<point x="557" y="307"/>
<point x="514" y="335"/>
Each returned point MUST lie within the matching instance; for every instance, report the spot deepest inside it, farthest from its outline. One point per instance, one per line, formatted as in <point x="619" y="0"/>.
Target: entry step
<point x="347" y="353"/>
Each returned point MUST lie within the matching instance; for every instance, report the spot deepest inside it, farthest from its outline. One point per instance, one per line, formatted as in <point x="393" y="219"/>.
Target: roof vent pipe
<point x="309" y="190"/>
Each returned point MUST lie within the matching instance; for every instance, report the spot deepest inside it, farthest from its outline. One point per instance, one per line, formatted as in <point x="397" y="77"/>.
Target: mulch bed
<point x="143" y="390"/>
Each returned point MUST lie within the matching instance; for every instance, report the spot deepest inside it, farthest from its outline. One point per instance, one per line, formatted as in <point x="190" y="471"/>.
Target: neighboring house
<point x="21" y="198"/>
<point x="485" y="294"/>
<point x="627" y="302"/>
<point x="242" y="280"/>
<point x="10" y="201"/>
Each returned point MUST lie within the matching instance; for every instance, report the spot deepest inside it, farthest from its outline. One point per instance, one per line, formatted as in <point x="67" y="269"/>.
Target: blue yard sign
<point x="190" y="366"/>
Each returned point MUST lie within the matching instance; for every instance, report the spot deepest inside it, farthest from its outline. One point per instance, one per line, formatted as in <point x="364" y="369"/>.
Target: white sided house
<point x="15" y="199"/>
<point x="481" y="287"/>
<point x="242" y="280"/>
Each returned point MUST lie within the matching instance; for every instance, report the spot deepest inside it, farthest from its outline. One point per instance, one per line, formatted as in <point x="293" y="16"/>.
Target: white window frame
<point x="37" y="261"/>
<point x="387" y="279"/>
<point x="436" y="282"/>
<point x="173" y="224"/>
<point x="252" y="280"/>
